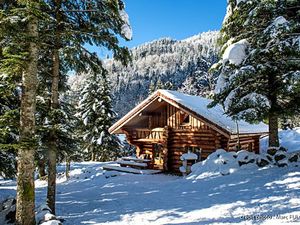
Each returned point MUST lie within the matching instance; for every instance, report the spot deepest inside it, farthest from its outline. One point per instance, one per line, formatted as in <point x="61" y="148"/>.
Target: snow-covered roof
<point x="216" y="114"/>
<point x="198" y="106"/>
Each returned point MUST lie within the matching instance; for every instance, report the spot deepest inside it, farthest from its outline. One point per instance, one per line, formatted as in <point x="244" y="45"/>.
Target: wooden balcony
<point x="148" y="135"/>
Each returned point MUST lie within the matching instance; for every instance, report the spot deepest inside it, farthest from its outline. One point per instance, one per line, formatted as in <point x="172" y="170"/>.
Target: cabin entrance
<point x="158" y="155"/>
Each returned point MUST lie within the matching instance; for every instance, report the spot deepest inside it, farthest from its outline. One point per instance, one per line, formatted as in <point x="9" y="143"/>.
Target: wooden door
<point x="158" y="156"/>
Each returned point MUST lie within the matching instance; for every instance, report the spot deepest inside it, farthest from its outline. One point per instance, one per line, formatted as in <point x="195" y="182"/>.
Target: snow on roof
<point x="216" y="114"/>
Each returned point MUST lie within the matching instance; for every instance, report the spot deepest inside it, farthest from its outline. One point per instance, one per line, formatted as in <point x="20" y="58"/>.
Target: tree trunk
<point x="51" y="190"/>
<point x="273" y="130"/>
<point x="68" y="167"/>
<point x="25" y="177"/>
<point x="93" y="157"/>
<point x="42" y="168"/>
<point x="53" y="147"/>
<point x="273" y="111"/>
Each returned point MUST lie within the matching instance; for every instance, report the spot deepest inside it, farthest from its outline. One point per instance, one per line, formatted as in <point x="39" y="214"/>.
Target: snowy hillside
<point x="163" y="63"/>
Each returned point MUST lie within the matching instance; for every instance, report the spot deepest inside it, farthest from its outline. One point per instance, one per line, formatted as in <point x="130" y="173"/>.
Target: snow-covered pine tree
<point x="151" y="87"/>
<point x="96" y="112"/>
<point x="200" y="83"/>
<point x="19" y="57"/>
<point x="189" y="86"/>
<point x="73" y="24"/>
<point x="9" y="124"/>
<point x="260" y="69"/>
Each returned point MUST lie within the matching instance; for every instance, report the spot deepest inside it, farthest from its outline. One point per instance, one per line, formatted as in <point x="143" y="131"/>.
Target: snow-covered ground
<point x="265" y="196"/>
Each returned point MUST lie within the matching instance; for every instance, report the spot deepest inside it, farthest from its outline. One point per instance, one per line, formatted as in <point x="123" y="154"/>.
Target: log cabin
<point x="168" y="124"/>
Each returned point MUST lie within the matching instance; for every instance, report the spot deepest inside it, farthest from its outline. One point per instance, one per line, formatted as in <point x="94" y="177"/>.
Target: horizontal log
<point x="190" y="135"/>
<point x="176" y="162"/>
<point x="241" y="142"/>
<point x="196" y="143"/>
<point x="192" y="129"/>
<point x="207" y="150"/>
<point x="176" y="153"/>
<point x="148" y="140"/>
<point x="177" y="145"/>
<point x="254" y="135"/>
<point x="245" y="138"/>
<point x="193" y="138"/>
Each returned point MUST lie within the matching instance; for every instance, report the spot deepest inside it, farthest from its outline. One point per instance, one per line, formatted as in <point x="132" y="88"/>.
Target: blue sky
<point x="178" y="19"/>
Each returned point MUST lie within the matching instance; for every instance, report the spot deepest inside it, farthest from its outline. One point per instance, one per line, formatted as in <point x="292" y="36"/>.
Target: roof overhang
<point x="117" y="128"/>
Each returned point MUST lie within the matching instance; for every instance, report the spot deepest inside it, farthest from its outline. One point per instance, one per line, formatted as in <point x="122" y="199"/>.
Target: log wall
<point x="250" y="143"/>
<point x="167" y="128"/>
<point x="179" y="140"/>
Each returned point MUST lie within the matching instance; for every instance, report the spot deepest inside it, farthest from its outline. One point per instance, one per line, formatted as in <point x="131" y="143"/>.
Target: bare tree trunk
<point x="51" y="191"/>
<point x="41" y="164"/>
<point x="273" y="116"/>
<point x="53" y="147"/>
<point x="68" y="167"/>
<point x="93" y="157"/>
<point x="273" y="130"/>
<point x="25" y="178"/>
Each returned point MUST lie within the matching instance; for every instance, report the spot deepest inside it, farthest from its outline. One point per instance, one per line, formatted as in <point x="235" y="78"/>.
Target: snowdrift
<point x="222" y="162"/>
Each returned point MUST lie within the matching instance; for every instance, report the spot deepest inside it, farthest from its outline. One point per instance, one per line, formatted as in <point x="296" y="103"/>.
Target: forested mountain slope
<point x="163" y="63"/>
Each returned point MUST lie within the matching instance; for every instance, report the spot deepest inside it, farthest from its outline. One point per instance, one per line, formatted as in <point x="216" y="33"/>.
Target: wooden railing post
<point x="165" y="148"/>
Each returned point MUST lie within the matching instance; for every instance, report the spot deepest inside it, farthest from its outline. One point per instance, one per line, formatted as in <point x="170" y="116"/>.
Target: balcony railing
<point x="151" y="134"/>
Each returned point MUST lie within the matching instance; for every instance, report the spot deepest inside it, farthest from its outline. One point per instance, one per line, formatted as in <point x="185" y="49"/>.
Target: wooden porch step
<point x="130" y="170"/>
<point x="131" y="163"/>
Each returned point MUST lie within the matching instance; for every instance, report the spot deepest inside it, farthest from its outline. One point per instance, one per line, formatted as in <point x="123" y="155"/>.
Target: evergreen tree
<point x="97" y="115"/>
<point x="159" y="85"/>
<point x="9" y="124"/>
<point x="19" y="57"/>
<point x="200" y="83"/>
<point x="72" y="25"/>
<point x="189" y="86"/>
<point x="151" y="88"/>
<point x="260" y="73"/>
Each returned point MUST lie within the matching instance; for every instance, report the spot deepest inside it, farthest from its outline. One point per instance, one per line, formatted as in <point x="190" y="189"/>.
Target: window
<point x="184" y="118"/>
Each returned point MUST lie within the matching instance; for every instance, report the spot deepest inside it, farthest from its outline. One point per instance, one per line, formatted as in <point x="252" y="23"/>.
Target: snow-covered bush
<point x="219" y="162"/>
<point x="222" y="162"/>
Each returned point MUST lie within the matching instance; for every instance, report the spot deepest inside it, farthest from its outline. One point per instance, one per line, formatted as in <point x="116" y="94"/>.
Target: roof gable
<point x="198" y="107"/>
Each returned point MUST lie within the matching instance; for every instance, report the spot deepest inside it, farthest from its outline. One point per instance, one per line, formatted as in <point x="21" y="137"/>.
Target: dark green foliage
<point x="97" y="115"/>
<point x="268" y="79"/>
<point x="82" y="23"/>
<point x="85" y="23"/>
